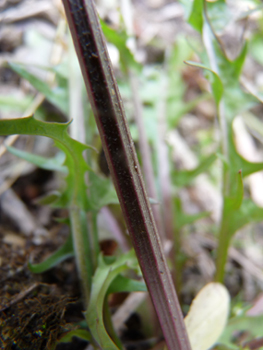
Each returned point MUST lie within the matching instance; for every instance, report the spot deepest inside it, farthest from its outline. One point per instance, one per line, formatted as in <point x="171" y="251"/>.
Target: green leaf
<point x="49" y="198"/>
<point x="63" y="253"/>
<point x="237" y="162"/>
<point x="234" y="98"/>
<point x="249" y="212"/>
<point x="216" y="83"/>
<point x="57" y="96"/>
<point x="124" y="284"/>
<point x="101" y="192"/>
<point x="228" y="71"/>
<point x="79" y="333"/>
<point x="53" y="164"/>
<point x="185" y="177"/>
<point x="181" y="219"/>
<point x="119" y="39"/>
<point x="236" y="214"/>
<point x="14" y="103"/>
<point x="196" y="15"/>
<point x="251" y="325"/>
<point x="74" y="196"/>
<point x="104" y="276"/>
<point x="231" y="207"/>
<point x="232" y="204"/>
<point x="207" y="19"/>
<point x="77" y="167"/>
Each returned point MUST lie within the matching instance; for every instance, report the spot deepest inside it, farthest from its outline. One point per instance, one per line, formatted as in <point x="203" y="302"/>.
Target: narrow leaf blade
<point x="63" y="253"/>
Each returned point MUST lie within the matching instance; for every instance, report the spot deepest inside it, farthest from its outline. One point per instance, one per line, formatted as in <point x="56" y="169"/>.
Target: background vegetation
<point x="190" y="75"/>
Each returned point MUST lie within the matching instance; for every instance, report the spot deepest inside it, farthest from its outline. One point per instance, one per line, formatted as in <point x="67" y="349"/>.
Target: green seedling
<point x="230" y="100"/>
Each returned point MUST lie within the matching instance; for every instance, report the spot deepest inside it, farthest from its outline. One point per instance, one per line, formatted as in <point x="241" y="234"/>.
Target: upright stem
<point x="82" y="250"/>
<point x="124" y="167"/>
<point x="222" y="251"/>
<point x="94" y="238"/>
<point x="223" y="241"/>
<point x="84" y="259"/>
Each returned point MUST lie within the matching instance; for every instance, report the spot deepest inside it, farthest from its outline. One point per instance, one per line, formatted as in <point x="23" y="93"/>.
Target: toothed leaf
<point x="77" y="167"/>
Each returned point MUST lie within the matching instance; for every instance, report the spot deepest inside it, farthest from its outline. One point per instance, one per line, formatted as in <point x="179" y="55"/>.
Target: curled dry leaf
<point x="207" y="316"/>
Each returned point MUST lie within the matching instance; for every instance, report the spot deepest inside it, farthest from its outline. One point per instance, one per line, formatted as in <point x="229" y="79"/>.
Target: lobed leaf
<point x="77" y="167"/>
<point x="237" y="212"/>
<point x="249" y="212"/>
<point x="207" y="21"/>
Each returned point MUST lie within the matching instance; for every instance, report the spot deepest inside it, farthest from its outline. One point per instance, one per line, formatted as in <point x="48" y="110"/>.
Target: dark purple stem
<point x="124" y="167"/>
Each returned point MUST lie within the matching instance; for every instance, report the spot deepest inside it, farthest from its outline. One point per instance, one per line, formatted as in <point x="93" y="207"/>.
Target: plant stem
<point x="223" y="241"/>
<point x="82" y="250"/>
<point x="94" y="238"/>
<point x="85" y="254"/>
<point x="124" y="167"/>
<point x="109" y="325"/>
<point x="222" y="252"/>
